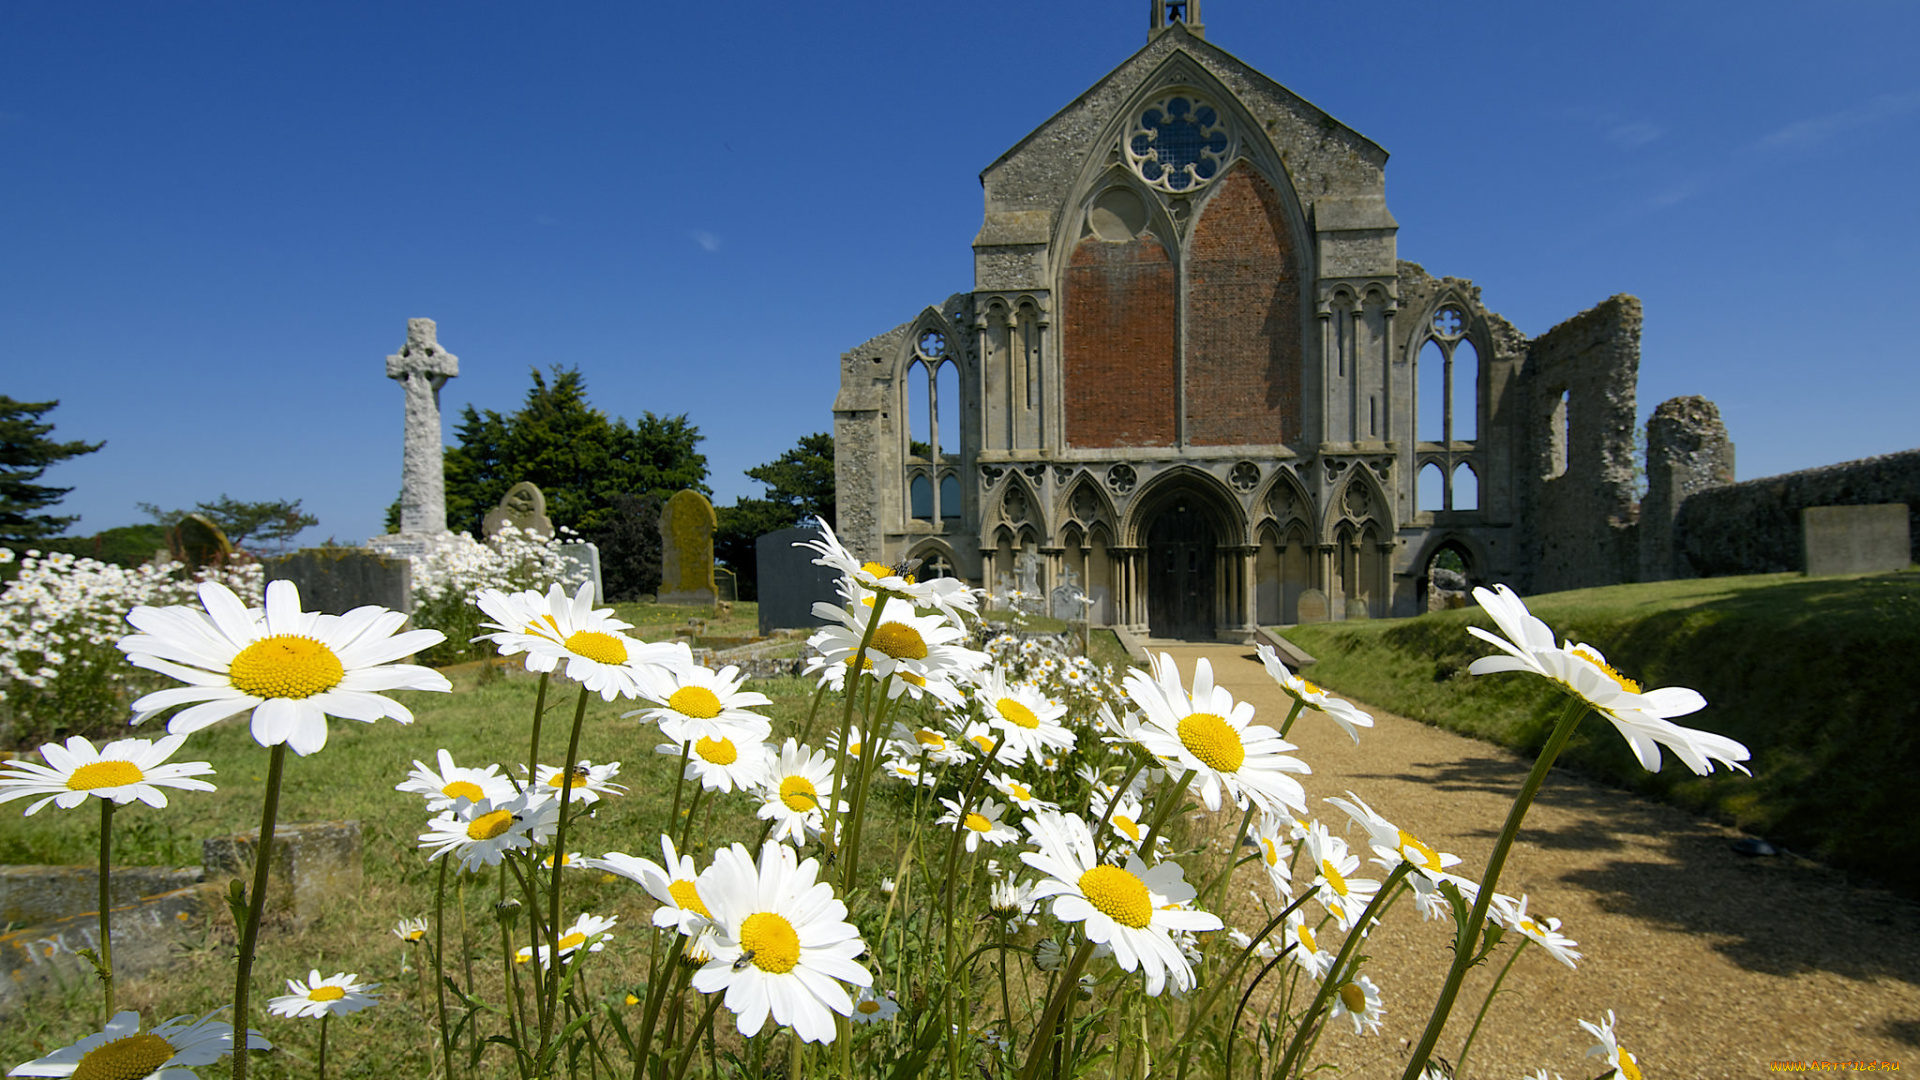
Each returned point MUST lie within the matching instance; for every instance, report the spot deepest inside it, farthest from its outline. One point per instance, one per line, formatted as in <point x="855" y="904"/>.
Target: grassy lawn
<point x="1815" y="675"/>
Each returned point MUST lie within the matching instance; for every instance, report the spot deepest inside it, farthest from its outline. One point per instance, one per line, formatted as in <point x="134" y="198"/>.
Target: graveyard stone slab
<point x="686" y="550"/>
<point x="314" y="865"/>
<point x="43" y="960"/>
<point x="580" y="561"/>
<point x="789" y="582"/>
<point x="1313" y="606"/>
<point x="337" y="580"/>
<point x="1855" y="539"/>
<point x="38" y="894"/>
<point x="524" y="507"/>
<point x="198" y="542"/>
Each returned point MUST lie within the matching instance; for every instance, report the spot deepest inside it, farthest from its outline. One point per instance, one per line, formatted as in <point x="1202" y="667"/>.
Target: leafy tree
<point x="274" y="523"/>
<point x="630" y="548"/>
<point x="799" y="485"/>
<point x="25" y="454"/>
<point x="581" y="460"/>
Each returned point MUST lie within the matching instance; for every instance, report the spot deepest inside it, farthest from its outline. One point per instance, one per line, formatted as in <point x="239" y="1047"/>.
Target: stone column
<point x="422" y="368"/>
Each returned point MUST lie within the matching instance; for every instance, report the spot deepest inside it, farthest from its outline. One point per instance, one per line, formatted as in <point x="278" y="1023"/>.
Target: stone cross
<point x="422" y="367"/>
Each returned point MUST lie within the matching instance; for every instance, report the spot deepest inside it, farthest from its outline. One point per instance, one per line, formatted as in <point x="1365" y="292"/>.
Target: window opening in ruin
<point x="1466" y="488"/>
<point x="1559" y="436"/>
<point x="1029" y="349"/>
<point x="1464" y="365"/>
<point x="913" y="396"/>
<point x="1431" y="406"/>
<point x="1448" y="579"/>
<point x="949" y="496"/>
<point x="1431" y="493"/>
<point x="1373" y="416"/>
<point x="1340" y="343"/>
<point x="946" y="398"/>
<point x="920" y="497"/>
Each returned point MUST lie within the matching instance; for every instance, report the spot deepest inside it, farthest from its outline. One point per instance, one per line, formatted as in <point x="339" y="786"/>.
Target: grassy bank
<point x="1816" y="676"/>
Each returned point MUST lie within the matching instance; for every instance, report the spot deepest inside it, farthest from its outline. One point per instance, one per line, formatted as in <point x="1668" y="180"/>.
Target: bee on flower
<point x="482" y="833"/>
<point x="588" y="782"/>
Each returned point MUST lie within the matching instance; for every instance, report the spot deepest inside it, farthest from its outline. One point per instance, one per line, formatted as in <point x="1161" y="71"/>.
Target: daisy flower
<point x="168" y="1051"/>
<point x="1543" y="932"/>
<point x="1131" y="909"/>
<point x="1012" y="901"/>
<point x="1028" y="722"/>
<point x="693" y="702"/>
<point x="949" y="595"/>
<point x="781" y="944"/>
<point x="1639" y="715"/>
<point x="1211" y="734"/>
<point x="445" y="787"/>
<point x="588" y="931"/>
<point x="924" y="646"/>
<point x="1307" y="952"/>
<point x="794" y="787"/>
<point x="1395" y="845"/>
<point x="411" y="931"/>
<point x="122" y="771"/>
<point x="871" y="1008"/>
<point x="555" y="628"/>
<point x="589" y="782"/>
<point x="675" y="885"/>
<point x="1312" y="698"/>
<point x="1625" y="1065"/>
<point x="722" y="763"/>
<point x="335" y="995"/>
<point x="1269" y="838"/>
<point x="981" y="823"/>
<point x="1022" y="795"/>
<point x="481" y="833"/>
<point x="1359" y="1001"/>
<point x="1049" y="956"/>
<point x="1344" y="896"/>
<point x="290" y="668"/>
<point x="939" y="747"/>
<point x="1128" y="819"/>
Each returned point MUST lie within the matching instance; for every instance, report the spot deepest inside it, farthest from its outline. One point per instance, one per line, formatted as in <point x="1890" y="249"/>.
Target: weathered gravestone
<point x="198" y="542"/>
<point x="1855" y="539"/>
<point x="686" y="550"/>
<point x="1357" y="609"/>
<point x="1313" y="606"/>
<point x="789" y="582"/>
<point x="581" y="562"/>
<point x="314" y="866"/>
<point x="1066" y="600"/>
<point x="422" y="367"/>
<point x="338" y="579"/>
<point x="524" y="507"/>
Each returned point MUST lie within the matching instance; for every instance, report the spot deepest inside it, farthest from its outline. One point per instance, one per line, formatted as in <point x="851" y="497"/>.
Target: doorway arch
<point x="1181" y="560"/>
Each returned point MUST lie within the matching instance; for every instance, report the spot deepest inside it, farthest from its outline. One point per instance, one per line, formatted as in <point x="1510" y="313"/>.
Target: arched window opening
<point x="1465" y="364"/>
<point x="946" y="397"/>
<point x="1466" y="487"/>
<point x="1432" y="492"/>
<point x="914" y="404"/>
<point x="920" y="497"/>
<point x="949" y="496"/>
<point x="1432" y="403"/>
<point x="1447" y="580"/>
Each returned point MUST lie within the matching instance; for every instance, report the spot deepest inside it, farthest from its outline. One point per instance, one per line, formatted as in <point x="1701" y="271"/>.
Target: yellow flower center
<point x="1310" y="688"/>
<point x="489" y="826"/>
<point x="124" y="1059"/>
<point x="1338" y="883"/>
<point x="1354" y="998"/>
<point x="1629" y="1068"/>
<point x="984" y="743"/>
<point x="799" y="794"/>
<point x="326" y="993"/>
<point x="1272" y="851"/>
<point x="596" y="646"/>
<point x="926" y="737"/>
<point x="631" y="1000"/>
<point x="869" y="1007"/>
<point x="463" y="789"/>
<point x="1119" y="895"/>
<point x="104" y="774"/>
<point x="416" y="935"/>
<point x="1427" y="856"/>
<point x="1528" y="926"/>
<point x="978" y="823"/>
<point x="285" y="666"/>
<point x="695" y="701"/>
<point x="878" y="570"/>
<point x="910" y="677"/>
<point x="866" y="663"/>
<point x="574" y="779"/>
<point x="687" y="898"/>
<point x="718" y="751"/>
<point x="1015" y="713"/>
<point x="1306" y="939"/>
<point x="771" y="941"/>
<point x="1212" y="740"/>
<point x="573" y="940"/>
<point x="1020" y="791"/>
<point x="900" y="641"/>
<point x="1127" y="825"/>
<point x="1625" y="683"/>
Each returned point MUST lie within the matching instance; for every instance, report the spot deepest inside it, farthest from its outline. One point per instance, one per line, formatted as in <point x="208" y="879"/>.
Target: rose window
<point x="1179" y="143"/>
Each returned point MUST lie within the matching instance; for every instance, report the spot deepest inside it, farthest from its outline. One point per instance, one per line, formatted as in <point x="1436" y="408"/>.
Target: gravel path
<point x="1715" y="964"/>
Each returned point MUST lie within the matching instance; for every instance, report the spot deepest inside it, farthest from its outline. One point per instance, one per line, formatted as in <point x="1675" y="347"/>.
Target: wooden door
<point x="1180" y="571"/>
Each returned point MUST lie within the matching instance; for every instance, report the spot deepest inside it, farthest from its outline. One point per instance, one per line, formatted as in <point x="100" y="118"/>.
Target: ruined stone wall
<point x="1574" y="470"/>
<point x="1687" y="452"/>
<point x="1754" y="527"/>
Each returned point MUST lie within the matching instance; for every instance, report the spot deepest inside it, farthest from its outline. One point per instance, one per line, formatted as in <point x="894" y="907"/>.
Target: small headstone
<point x="1855" y="539"/>
<point x="789" y="582"/>
<point x="524" y="507"/>
<point x="581" y="562"/>
<point x="198" y="542"/>
<point x="1313" y="606"/>
<point x="1026" y="570"/>
<point x="1357" y="608"/>
<point x="686" y="550"/>
<point x="338" y="579"/>
<point x="1337" y="606"/>
<point x="313" y="866"/>
<point x="1066" y="600"/>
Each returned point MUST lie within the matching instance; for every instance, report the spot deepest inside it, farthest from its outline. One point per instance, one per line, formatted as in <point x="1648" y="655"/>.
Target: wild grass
<point x="1817" y="676"/>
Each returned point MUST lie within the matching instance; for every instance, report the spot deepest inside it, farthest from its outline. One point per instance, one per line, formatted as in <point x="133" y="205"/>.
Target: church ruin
<point x="1194" y="371"/>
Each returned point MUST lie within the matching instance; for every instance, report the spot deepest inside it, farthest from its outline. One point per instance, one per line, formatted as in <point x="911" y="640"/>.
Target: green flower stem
<point x="693" y="1041"/>
<point x="693" y="806"/>
<point x="516" y="1009"/>
<point x="819" y="695"/>
<point x="866" y="766"/>
<point x="854" y="677"/>
<point x="1464" y="944"/>
<point x="669" y="974"/>
<point x="1168" y="801"/>
<point x="533" y="749"/>
<point x="439" y="965"/>
<point x="1210" y="896"/>
<point x="1225" y="978"/>
<point x="1038" y="1051"/>
<point x="1460" y="1063"/>
<point x="680" y="785"/>
<point x="324" y="1017"/>
<point x="1340" y="973"/>
<point x="529" y="888"/>
<point x="551" y="983"/>
<point x="106" y="903"/>
<point x="1292" y="715"/>
<point x="256" y="907"/>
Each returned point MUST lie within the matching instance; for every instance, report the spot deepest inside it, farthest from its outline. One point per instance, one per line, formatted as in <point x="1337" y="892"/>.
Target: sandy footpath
<point x="1716" y="964"/>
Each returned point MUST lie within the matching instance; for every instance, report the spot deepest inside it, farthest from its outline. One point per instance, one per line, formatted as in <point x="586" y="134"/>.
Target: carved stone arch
<point x="1209" y="496"/>
<point x="1283" y="498"/>
<point x="927" y="548"/>
<point x="1071" y="500"/>
<point x="1017" y="503"/>
<point x="933" y="320"/>
<point x="1358" y="500"/>
<point x="1081" y="222"/>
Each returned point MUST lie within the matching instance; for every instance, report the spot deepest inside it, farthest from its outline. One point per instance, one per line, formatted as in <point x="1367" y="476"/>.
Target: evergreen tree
<point x="273" y="523"/>
<point x="25" y="454"/>
<point x="799" y="485"/>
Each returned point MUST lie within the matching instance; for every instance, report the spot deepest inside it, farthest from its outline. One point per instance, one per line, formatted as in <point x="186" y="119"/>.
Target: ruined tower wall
<point x="1688" y="452"/>
<point x="1753" y="527"/>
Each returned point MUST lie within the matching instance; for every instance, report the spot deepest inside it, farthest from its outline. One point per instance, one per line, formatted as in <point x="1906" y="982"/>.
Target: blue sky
<point x="216" y="218"/>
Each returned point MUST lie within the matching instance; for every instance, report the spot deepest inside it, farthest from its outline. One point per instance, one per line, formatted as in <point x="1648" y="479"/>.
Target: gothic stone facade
<point x="1194" y="371"/>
